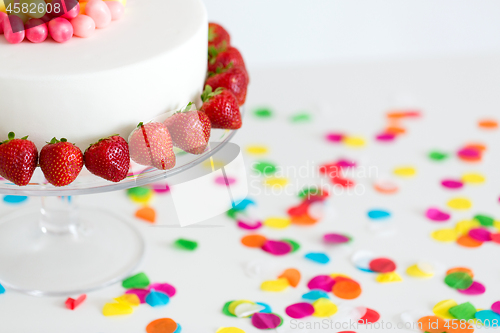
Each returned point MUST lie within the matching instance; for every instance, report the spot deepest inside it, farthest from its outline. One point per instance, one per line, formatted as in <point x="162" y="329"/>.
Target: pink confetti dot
<point x="436" y="215"/>
<point x="222" y="180"/>
<point x="323" y="282"/>
<point x="141" y="293"/>
<point x="452" y="184"/>
<point x="334" y="137"/>
<point x="300" y="310"/>
<point x="475" y="288"/>
<point x="480" y="234"/>
<point x="495" y="307"/>
<point x="469" y="153"/>
<point x="249" y="226"/>
<point x="346" y="163"/>
<point x="264" y="321"/>
<point x="164" y="288"/>
<point x="385" y="137"/>
<point x="336" y="238"/>
<point x="277" y="248"/>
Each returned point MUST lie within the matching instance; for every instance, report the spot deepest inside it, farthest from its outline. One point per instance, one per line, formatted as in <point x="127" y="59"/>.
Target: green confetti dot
<point x="465" y="311"/>
<point x="139" y="192"/>
<point x="139" y="280"/>
<point x="263" y="113"/>
<point x="265" y="168"/>
<point x="186" y="244"/>
<point x="295" y="246"/>
<point x="311" y="191"/>
<point x="225" y="309"/>
<point x="301" y="117"/>
<point x="485" y="220"/>
<point x="437" y="155"/>
<point x="458" y="280"/>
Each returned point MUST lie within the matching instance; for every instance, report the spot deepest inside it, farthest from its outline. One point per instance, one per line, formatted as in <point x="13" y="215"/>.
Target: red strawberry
<point x="61" y="162"/>
<point x="190" y="130"/>
<point x="150" y="144"/>
<point x="233" y="79"/>
<point x="18" y="159"/>
<point x="108" y="158"/>
<point x="221" y="107"/>
<point x="217" y="35"/>
<point x="222" y="57"/>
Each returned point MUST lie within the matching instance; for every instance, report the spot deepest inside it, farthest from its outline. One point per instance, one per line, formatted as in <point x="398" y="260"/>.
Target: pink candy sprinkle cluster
<point x="80" y="21"/>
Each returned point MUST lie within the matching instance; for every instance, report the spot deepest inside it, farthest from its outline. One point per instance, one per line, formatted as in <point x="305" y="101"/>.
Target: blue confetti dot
<point x="14" y="199"/>
<point x="315" y="294"/>
<point x="365" y="269"/>
<point x="244" y="204"/>
<point x="157" y="298"/>
<point x="2" y="289"/>
<point x="178" y="329"/>
<point x="378" y="214"/>
<point x="267" y="308"/>
<point x="488" y="318"/>
<point x="318" y="257"/>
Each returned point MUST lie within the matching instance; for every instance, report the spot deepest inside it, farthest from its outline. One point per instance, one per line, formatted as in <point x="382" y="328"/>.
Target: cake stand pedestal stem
<point x="59" y="215"/>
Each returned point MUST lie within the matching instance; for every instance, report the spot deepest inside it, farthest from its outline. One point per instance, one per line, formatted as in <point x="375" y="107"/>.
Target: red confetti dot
<point x="382" y="265"/>
<point x="371" y="316"/>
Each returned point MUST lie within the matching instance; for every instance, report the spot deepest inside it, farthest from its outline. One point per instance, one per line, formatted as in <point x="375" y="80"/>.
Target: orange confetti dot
<point x="304" y="219"/>
<point x="460" y="269"/>
<point x="162" y="325"/>
<point x="385" y="188"/>
<point x="467" y="241"/>
<point x="395" y="130"/>
<point x="253" y="240"/>
<point x="147" y="214"/>
<point x="432" y="324"/>
<point x="346" y="288"/>
<point x="292" y="275"/>
<point x="403" y="114"/>
<point x="488" y="124"/>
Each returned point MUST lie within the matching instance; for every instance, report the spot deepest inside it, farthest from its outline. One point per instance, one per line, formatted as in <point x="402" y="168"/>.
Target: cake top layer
<point x="125" y="42"/>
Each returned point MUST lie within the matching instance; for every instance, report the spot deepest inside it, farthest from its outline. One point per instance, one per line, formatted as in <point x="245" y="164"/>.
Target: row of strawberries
<point x="150" y="144"/>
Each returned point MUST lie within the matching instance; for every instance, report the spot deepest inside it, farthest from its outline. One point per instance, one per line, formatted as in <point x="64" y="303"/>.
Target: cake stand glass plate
<point x="64" y="250"/>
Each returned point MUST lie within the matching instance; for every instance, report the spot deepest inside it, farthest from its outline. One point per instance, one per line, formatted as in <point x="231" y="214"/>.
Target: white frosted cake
<point x="151" y="61"/>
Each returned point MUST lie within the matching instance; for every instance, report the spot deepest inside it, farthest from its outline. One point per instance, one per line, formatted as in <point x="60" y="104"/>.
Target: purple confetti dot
<point x="300" y="310"/>
<point x="336" y="238"/>
<point x="480" y="234"/>
<point x="475" y="288"/>
<point x="452" y="184"/>
<point x="435" y="214"/>
<point x="323" y="282"/>
<point x="277" y="248"/>
<point x="264" y="321"/>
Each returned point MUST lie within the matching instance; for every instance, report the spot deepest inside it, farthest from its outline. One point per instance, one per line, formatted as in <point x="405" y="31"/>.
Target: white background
<point x="296" y="32"/>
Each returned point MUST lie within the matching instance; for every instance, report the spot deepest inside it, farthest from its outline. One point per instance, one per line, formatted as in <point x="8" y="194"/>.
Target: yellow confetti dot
<point x="213" y="164"/>
<point x="445" y="235"/>
<point x="234" y="304"/>
<point x="276" y="181"/>
<point x="116" y="309"/>
<point x="277" y="222"/>
<point x="442" y="308"/>
<point x="334" y="275"/>
<point x="463" y="227"/>
<point x="354" y="141"/>
<point x="460" y="203"/>
<point x="496" y="224"/>
<point x="388" y="277"/>
<point x="143" y="199"/>
<point x="257" y="150"/>
<point x="473" y="178"/>
<point x="405" y="171"/>
<point x="230" y="330"/>
<point x="129" y="299"/>
<point x="324" y="308"/>
<point x="275" y="285"/>
<point x="414" y="271"/>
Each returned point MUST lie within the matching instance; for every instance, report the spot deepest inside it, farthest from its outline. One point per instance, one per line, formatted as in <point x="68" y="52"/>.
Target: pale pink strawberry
<point x="151" y="144"/>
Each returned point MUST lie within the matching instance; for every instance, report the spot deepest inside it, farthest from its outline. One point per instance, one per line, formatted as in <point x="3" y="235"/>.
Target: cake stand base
<point x="42" y="255"/>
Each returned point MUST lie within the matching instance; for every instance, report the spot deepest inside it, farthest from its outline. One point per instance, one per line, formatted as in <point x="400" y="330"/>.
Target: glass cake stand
<point x="61" y="250"/>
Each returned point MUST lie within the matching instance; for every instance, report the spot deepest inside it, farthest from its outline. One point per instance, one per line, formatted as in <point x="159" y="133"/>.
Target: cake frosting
<point x="152" y="61"/>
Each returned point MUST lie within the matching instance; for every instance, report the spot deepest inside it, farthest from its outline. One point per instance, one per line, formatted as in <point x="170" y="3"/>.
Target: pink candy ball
<point x="72" y="12"/>
<point x="10" y="24"/>
<point x="60" y="30"/>
<point x="99" y="12"/>
<point x="116" y="8"/>
<point x="2" y="16"/>
<point x="83" y="26"/>
<point x="36" y="30"/>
